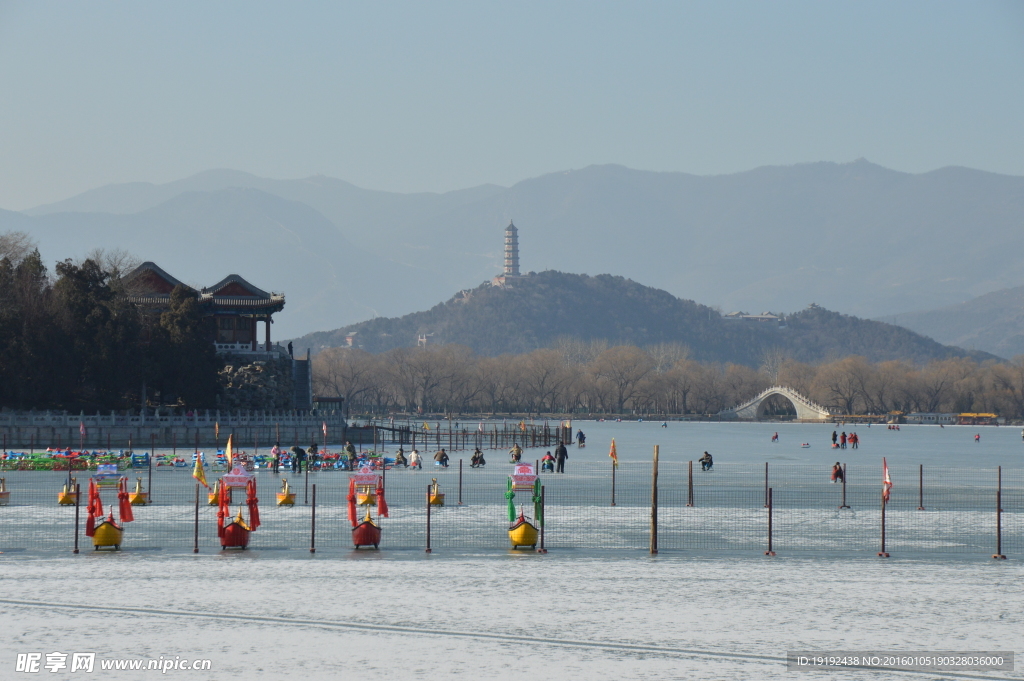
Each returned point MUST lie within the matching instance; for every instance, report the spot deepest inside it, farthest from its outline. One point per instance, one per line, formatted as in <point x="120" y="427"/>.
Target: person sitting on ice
<point x="706" y="462"/>
<point x="441" y="457"/>
<point x="477" y="460"/>
<point x="400" y="458"/>
<point x="516" y="452"/>
<point x="547" y="464"/>
<point x="414" y="460"/>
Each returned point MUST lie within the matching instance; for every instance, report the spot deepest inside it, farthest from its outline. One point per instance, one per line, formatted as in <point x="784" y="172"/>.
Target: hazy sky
<point x="438" y="96"/>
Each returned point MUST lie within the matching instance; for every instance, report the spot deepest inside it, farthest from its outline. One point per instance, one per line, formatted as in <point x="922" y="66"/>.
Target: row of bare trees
<point x="591" y="377"/>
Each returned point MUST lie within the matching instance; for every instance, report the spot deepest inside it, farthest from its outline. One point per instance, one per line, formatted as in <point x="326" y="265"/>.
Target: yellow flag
<point x="198" y="473"/>
<point x="229" y="450"/>
<point x="614" y="454"/>
<point x="426" y="426"/>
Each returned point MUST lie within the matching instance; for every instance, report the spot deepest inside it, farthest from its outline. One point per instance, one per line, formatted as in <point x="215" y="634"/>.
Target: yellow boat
<point x="214" y="496"/>
<point x="107" y="535"/>
<point x="66" y="497"/>
<point x="366" y="498"/>
<point x="285" y="497"/>
<point x="436" y="497"/>
<point x="138" y="497"/>
<point x="522" y="533"/>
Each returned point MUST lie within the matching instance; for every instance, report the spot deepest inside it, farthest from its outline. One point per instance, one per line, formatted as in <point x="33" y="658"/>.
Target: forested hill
<point x="539" y="309"/>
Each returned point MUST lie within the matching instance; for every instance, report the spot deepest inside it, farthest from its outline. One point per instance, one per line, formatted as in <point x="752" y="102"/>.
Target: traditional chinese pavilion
<point x="237" y="306"/>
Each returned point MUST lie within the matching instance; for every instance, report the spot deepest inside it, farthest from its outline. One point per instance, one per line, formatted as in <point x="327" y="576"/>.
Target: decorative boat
<point x="522" y="533"/>
<point x="236" y="533"/>
<point x="436" y="496"/>
<point x="138" y="497"/>
<point x="66" y="496"/>
<point x="107" y="534"/>
<point x="366" y="533"/>
<point x="106" y="475"/>
<point x="5" y="495"/>
<point x="285" y="497"/>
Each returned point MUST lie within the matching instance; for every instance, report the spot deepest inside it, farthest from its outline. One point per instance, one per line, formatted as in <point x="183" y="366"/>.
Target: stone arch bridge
<point x="753" y="410"/>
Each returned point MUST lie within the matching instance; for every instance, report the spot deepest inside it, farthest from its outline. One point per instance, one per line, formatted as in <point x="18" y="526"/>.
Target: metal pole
<point x="766" y="484"/>
<point x="689" y="498"/>
<point x="428" y="519"/>
<point x="195" y="525"/>
<point x="78" y="502"/>
<point x="197" y="441"/>
<point x="999" y="517"/>
<point x="613" y="482"/>
<point x="542" y="549"/>
<point x="149" y="482"/>
<point x="174" y="445"/>
<point x="654" y="503"/>
<point x="312" y="524"/>
<point x="883" y="553"/>
<point x="460" y="482"/>
<point x="920" y="487"/>
<point x="770" y="551"/>
<point x="306" y="497"/>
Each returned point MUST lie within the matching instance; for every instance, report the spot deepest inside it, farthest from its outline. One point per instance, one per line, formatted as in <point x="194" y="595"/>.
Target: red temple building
<point x="237" y="306"/>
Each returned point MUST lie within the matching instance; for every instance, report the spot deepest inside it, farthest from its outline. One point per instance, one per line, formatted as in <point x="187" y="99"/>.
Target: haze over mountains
<point x="854" y="237"/>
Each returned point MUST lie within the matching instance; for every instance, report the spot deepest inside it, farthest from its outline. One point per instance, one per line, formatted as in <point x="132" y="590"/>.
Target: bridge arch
<point x="753" y="409"/>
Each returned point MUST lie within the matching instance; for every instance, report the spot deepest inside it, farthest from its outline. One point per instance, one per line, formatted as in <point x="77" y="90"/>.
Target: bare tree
<point x="623" y="368"/>
<point x="14" y="246"/>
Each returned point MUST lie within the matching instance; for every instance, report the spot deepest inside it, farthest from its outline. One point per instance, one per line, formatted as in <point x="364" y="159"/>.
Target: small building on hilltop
<point x="511" y="271"/>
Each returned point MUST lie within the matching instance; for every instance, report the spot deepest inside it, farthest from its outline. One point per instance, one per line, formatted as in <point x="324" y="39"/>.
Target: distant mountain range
<point x="854" y="237"/>
<point x="536" y="310"/>
<point x="993" y="322"/>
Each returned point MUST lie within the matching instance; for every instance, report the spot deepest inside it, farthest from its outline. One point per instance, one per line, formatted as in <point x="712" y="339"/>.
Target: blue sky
<point x="440" y="96"/>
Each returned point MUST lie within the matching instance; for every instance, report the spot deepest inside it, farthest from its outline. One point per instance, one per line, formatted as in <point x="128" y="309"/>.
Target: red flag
<point x="253" y="503"/>
<point x="222" y="507"/>
<point x="886" y="481"/>
<point x="91" y="507"/>
<point x="325" y="428"/>
<point x="125" y="505"/>
<point x="352" y="501"/>
<point x="382" y="505"/>
<point x="81" y="428"/>
<point x="614" y="454"/>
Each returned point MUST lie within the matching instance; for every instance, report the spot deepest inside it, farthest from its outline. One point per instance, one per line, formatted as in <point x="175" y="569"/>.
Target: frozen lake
<point x="713" y="608"/>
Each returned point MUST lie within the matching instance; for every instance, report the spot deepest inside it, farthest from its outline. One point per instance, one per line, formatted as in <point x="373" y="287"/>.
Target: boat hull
<point x="107" y="535"/>
<point x="66" y="498"/>
<point x="235" y="537"/>
<point x="366" y="533"/>
<point x="138" y="498"/>
<point x="286" y="499"/>
<point x="437" y="499"/>
<point x="523" y="534"/>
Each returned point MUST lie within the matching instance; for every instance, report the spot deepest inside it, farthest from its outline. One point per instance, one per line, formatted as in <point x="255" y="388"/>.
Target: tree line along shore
<point x="577" y="377"/>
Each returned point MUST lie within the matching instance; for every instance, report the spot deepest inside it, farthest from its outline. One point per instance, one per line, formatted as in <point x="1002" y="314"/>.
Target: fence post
<point x="999" y="516"/>
<point x="460" y="482"/>
<point x="883" y="553"/>
<point x="312" y="523"/>
<point x="844" y="505"/>
<point x="689" y="497"/>
<point x="613" y="482"/>
<point x="195" y="526"/>
<point x="654" y="503"/>
<point x="149" y="481"/>
<point x="306" y="497"/>
<point x="428" y="519"/>
<point x="766" y="484"/>
<point x="542" y="523"/>
<point x="78" y="501"/>
<point x="770" y="551"/>
<point x="920" y="487"/>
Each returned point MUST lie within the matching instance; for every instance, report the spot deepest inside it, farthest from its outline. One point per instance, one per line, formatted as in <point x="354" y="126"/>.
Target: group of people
<point x="556" y="463"/>
<point x="840" y="440"/>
